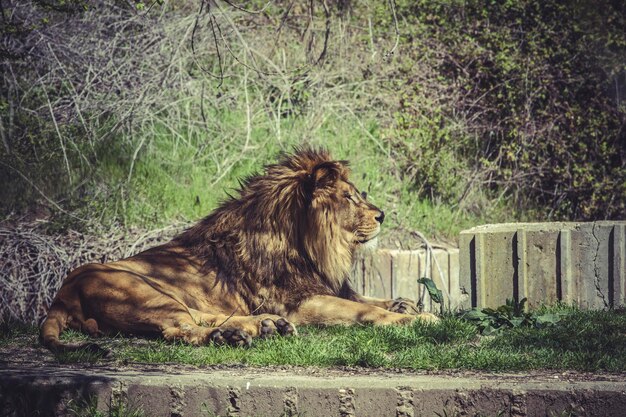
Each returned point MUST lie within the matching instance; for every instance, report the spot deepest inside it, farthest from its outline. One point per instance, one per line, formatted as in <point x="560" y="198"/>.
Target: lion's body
<point x="278" y="255"/>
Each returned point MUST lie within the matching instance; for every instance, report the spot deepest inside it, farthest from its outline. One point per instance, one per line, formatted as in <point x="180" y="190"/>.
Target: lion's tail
<point x="52" y="328"/>
<point x="54" y="325"/>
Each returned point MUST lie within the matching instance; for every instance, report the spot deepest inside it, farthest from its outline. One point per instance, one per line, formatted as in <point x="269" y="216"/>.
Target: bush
<point x="477" y="109"/>
<point x="521" y="97"/>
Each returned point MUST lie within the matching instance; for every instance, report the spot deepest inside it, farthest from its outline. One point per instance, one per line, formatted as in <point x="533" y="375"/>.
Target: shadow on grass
<point x="582" y="340"/>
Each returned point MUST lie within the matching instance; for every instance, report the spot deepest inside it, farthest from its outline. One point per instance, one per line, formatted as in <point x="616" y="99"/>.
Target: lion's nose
<point x="381" y="217"/>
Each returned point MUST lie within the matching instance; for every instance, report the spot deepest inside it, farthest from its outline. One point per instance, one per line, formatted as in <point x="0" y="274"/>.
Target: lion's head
<point x="300" y="219"/>
<point x="339" y="218"/>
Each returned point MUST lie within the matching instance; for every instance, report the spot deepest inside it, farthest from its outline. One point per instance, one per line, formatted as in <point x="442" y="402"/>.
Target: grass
<point x="582" y="341"/>
<point x="114" y="408"/>
<point x="184" y="177"/>
<point x="187" y="142"/>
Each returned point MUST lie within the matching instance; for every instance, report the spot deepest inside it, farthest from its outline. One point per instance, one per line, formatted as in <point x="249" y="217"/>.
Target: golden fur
<point x="277" y="255"/>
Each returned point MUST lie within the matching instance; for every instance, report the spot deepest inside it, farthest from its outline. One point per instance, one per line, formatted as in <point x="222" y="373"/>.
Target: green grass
<point x="189" y="141"/>
<point x="582" y="341"/>
<point x="182" y="176"/>
<point x="114" y="408"/>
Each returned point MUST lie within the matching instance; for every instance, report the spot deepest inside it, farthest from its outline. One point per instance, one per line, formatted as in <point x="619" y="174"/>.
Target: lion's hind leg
<point x="89" y="326"/>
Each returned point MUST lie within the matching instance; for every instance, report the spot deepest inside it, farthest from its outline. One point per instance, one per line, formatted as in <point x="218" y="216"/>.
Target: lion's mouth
<point x="367" y="236"/>
<point x="365" y="240"/>
<point x="365" y="245"/>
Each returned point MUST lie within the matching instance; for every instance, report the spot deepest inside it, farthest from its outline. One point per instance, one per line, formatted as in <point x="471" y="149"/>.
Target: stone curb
<point x="47" y="391"/>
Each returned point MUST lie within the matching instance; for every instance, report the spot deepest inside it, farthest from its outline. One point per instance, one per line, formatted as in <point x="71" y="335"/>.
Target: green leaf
<point x="490" y="312"/>
<point x="548" y="319"/>
<point x="517" y="321"/>
<point x="522" y="305"/>
<point x="490" y="330"/>
<point x="475" y="314"/>
<point x="505" y="310"/>
<point x="435" y="293"/>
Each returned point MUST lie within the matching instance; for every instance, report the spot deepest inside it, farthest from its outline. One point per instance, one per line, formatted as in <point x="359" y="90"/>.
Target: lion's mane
<point x="280" y="235"/>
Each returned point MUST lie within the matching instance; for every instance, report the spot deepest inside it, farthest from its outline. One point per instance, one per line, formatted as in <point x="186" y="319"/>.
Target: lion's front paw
<point x="286" y="328"/>
<point x="280" y="326"/>
<point x="230" y="336"/>
<point x="428" y="318"/>
<point x="404" y="306"/>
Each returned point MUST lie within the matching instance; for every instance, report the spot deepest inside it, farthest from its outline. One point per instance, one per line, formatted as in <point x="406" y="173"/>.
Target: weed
<point x="510" y="315"/>
<point x="492" y="321"/>
<point x="114" y="408"/>
<point x="436" y="295"/>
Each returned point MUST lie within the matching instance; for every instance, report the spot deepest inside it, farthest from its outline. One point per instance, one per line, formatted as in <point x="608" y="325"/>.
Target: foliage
<point x="155" y="134"/>
<point x="483" y="110"/>
<point x="508" y="316"/>
<point x="435" y="293"/>
<point x="521" y="97"/>
<point x="491" y="321"/>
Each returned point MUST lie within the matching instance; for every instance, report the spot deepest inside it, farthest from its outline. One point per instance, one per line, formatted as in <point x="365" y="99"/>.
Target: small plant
<point x="510" y="315"/>
<point x="79" y="356"/>
<point x="116" y="407"/>
<point x="435" y="293"/>
<point x="492" y="321"/>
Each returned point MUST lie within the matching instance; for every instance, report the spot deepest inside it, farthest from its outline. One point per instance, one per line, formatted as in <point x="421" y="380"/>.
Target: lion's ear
<point x="325" y="175"/>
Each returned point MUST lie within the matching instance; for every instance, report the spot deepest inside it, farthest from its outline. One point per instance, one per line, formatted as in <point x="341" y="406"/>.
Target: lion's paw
<point x="286" y="328"/>
<point x="404" y="320"/>
<point x="404" y="306"/>
<point x="230" y="336"/>
<point x="280" y="326"/>
<point x="428" y="318"/>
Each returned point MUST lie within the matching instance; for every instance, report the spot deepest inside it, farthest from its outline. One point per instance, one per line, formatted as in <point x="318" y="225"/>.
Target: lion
<point x="277" y="255"/>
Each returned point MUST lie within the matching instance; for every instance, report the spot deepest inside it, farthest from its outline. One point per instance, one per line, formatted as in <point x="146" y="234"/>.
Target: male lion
<point x="277" y="255"/>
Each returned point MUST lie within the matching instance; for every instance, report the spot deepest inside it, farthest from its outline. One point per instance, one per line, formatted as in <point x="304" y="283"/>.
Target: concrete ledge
<point x="183" y="392"/>
<point x="579" y="263"/>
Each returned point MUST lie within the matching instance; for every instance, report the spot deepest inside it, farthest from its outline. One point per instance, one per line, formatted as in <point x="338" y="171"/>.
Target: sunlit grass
<point x="185" y="176"/>
<point x="582" y="341"/>
<point x="187" y="153"/>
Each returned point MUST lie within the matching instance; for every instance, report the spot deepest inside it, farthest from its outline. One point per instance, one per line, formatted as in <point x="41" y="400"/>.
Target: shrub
<point x="520" y="97"/>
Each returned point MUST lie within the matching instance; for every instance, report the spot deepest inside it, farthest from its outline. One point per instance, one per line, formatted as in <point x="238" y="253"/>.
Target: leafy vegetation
<point x="525" y="95"/>
<point x="490" y="321"/>
<point x="510" y="315"/>
<point x="436" y="295"/>
<point x="471" y="112"/>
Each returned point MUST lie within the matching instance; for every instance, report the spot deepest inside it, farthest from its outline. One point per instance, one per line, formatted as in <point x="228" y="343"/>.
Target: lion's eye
<point x="349" y="197"/>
